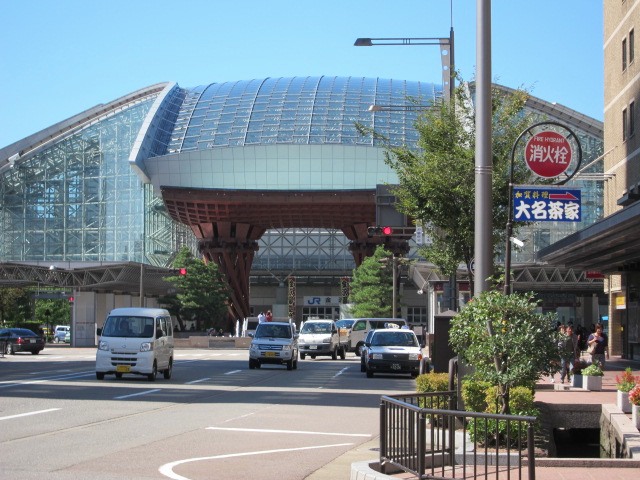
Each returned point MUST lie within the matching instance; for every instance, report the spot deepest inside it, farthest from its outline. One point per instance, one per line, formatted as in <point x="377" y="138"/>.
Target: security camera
<point x="420" y="292"/>
<point x="517" y="241"/>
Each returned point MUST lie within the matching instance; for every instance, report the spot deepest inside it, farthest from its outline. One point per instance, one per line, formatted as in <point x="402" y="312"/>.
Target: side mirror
<point x="296" y="335"/>
<point x="99" y="331"/>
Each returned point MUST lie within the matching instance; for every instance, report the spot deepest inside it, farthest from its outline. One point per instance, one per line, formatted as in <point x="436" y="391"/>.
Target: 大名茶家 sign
<point x="546" y="204"/>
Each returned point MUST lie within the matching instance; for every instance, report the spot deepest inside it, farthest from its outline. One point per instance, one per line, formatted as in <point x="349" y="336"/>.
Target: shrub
<point x="474" y="395"/>
<point x="634" y="395"/>
<point x="432" y="382"/>
<point x="593" y="370"/>
<point x="626" y="381"/>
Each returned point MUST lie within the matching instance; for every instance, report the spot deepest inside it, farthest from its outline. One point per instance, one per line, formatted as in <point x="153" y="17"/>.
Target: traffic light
<point x="71" y="299"/>
<point x="379" y="231"/>
<point x="182" y="271"/>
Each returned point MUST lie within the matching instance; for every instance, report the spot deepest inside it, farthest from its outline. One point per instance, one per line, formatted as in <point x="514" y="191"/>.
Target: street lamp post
<point x="446" y="52"/>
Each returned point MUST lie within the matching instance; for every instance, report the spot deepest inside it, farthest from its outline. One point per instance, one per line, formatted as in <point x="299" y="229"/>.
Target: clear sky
<point x="58" y="58"/>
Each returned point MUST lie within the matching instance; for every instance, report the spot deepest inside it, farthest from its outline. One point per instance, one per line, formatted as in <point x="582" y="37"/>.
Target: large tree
<point x="372" y="286"/>
<point x="437" y="181"/>
<point x="202" y="294"/>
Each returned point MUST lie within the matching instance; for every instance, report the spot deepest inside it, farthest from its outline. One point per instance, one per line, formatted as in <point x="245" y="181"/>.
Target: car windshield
<point x="399" y="339"/>
<point x="126" y="326"/>
<point x="23" y="332"/>
<point x="345" y="323"/>
<point x="311" y="327"/>
<point x="268" y="330"/>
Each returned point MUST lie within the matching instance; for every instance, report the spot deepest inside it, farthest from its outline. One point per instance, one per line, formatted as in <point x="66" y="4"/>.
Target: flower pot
<point x="623" y="401"/>
<point x="592" y="383"/>
<point x="635" y="415"/>
<point x="576" y="381"/>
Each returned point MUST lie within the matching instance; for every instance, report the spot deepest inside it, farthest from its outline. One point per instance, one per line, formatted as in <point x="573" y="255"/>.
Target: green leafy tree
<point x="51" y="312"/>
<point x="15" y="306"/>
<point x="202" y="294"/>
<point x="372" y="286"/>
<point x="505" y="340"/>
<point x="437" y="181"/>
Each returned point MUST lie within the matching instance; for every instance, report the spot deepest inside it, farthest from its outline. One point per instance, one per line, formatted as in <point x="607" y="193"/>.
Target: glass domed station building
<point x="269" y="178"/>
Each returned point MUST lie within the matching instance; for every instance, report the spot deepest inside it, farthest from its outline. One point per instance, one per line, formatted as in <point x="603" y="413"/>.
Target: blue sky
<point x="58" y="58"/>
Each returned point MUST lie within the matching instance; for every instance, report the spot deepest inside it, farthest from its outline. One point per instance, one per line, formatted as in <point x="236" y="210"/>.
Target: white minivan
<point x="137" y="341"/>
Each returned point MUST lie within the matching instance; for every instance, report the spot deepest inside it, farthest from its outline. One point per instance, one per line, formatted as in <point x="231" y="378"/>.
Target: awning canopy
<point x="608" y="246"/>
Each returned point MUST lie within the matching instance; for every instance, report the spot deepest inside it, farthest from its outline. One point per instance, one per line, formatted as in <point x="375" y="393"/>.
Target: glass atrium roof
<point x="298" y="110"/>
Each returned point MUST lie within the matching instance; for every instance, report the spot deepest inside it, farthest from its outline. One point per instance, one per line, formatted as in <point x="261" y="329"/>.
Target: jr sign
<point x="548" y="154"/>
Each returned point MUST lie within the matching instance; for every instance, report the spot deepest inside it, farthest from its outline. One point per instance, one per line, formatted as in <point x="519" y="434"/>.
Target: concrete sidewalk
<point x="354" y="464"/>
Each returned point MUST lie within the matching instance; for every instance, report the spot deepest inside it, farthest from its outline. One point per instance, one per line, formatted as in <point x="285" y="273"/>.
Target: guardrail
<point x="424" y="435"/>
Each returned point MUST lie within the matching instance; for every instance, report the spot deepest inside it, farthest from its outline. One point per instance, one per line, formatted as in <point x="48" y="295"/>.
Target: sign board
<point x="321" y="301"/>
<point x="593" y="275"/>
<point x="546" y="204"/>
<point x="548" y="154"/>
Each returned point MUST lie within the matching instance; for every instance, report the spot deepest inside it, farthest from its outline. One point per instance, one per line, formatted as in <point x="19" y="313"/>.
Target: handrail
<point x="419" y="437"/>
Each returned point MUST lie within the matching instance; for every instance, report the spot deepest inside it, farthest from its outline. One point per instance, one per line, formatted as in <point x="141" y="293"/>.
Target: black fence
<point x="424" y="435"/>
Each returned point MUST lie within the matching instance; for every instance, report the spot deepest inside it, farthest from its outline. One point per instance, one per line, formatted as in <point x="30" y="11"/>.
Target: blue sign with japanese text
<point x="546" y="204"/>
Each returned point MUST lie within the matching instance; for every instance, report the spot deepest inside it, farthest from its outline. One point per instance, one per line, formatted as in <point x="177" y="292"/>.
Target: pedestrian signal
<point x="378" y="231"/>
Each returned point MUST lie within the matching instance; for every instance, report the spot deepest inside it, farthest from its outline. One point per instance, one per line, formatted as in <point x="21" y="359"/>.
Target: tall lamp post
<point x="446" y="52"/>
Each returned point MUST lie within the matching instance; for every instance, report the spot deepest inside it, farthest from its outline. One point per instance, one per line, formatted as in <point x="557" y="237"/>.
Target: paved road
<point x="214" y="419"/>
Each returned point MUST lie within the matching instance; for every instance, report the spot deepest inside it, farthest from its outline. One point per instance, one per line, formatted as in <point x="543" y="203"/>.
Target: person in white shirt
<point x="261" y="317"/>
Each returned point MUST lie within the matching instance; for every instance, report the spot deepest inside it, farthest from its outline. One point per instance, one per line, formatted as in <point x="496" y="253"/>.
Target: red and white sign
<point x="548" y="154"/>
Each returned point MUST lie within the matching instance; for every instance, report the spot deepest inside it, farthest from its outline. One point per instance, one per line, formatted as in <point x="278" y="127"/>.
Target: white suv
<point x="274" y="343"/>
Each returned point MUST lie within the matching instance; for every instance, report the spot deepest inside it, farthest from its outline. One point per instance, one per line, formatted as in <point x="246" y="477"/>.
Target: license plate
<point x="395" y="366"/>
<point x="313" y="347"/>
<point x="123" y="368"/>
<point x="270" y="354"/>
<point x="32" y="340"/>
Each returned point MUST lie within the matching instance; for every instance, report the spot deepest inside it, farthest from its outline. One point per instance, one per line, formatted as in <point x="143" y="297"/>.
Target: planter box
<point x="592" y="383"/>
<point x="576" y="381"/>
<point x="623" y="401"/>
<point x="635" y="415"/>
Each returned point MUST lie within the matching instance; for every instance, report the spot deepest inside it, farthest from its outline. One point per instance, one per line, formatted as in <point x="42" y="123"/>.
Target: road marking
<point x="289" y="431"/>
<point x="233" y="371"/>
<point x="197" y="381"/>
<point x="146" y="392"/>
<point x="167" y="468"/>
<point x="341" y="372"/>
<point x="29" y="413"/>
<point x="14" y="383"/>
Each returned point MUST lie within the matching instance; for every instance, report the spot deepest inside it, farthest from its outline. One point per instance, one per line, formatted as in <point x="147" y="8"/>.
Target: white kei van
<point x="137" y="341"/>
<point x="362" y="326"/>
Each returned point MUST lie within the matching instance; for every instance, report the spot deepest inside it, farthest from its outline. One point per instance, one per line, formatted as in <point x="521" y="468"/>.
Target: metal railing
<point x="424" y="435"/>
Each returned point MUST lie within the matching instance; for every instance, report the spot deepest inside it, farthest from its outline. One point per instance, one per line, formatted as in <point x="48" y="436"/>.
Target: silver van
<point x="362" y="326"/>
<point x="136" y="341"/>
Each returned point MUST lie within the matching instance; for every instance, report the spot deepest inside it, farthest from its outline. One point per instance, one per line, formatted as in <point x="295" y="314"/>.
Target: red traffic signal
<point x="378" y="231"/>
<point x="71" y="299"/>
<point x="183" y="271"/>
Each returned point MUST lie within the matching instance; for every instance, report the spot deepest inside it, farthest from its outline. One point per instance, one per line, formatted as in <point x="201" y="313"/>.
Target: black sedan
<point x="20" y="340"/>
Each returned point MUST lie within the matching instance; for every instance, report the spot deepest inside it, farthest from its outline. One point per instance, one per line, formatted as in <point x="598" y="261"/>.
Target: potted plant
<point x="576" y="373"/>
<point x="624" y="384"/>
<point x="634" y="398"/>
<point x="592" y="377"/>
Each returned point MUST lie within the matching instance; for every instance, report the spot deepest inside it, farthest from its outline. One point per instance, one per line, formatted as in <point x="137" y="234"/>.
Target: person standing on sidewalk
<point x="601" y="342"/>
<point x="569" y="352"/>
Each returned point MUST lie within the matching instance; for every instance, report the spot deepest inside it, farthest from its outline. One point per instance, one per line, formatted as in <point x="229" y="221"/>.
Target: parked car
<point x="274" y="343"/>
<point x="67" y="337"/>
<point x="394" y="350"/>
<point x="59" y="332"/>
<point x="20" y="340"/>
<point x="322" y="338"/>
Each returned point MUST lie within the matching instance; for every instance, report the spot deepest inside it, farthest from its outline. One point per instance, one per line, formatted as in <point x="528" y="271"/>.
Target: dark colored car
<point x="20" y="340"/>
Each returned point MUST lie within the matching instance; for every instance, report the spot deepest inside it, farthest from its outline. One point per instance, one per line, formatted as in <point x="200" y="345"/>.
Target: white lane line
<point x="167" y="468"/>
<point x="29" y="413"/>
<point x="289" y="431"/>
<point x="232" y="372"/>
<point x="14" y="383"/>
<point x="146" y="392"/>
<point x="197" y="381"/>
<point x="341" y="372"/>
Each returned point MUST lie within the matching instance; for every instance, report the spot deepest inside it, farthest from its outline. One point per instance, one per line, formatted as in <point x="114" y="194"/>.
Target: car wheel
<point x="313" y="357"/>
<point x="302" y="355"/>
<point x="251" y="365"/>
<point x="35" y="352"/>
<point x="359" y="349"/>
<point x="369" y="373"/>
<point x="154" y="373"/>
<point x="363" y="367"/>
<point x="295" y="364"/>
<point x="10" y="349"/>
<point x="334" y="354"/>
<point x="100" y="375"/>
<point x="343" y="353"/>
<point x="118" y="375"/>
<point x="290" y="364"/>
<point x="167" y="372"/>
